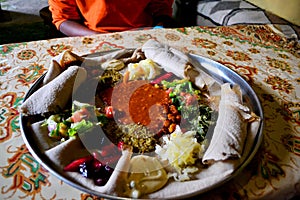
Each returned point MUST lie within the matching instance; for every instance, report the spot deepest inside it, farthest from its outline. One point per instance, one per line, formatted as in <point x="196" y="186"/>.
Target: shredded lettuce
<point x="80" y="127"/>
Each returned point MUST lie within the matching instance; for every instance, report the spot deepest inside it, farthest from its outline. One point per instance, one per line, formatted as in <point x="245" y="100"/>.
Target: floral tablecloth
<point x="268" y="62"/>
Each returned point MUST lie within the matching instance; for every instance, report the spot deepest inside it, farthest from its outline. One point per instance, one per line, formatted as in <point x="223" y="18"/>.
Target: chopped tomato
<point x="109" y="112"/>
<point x="190" y="99"/>
<point x="77" y="116"/>
<point x="106" y="94"/>
<point x="169" y="90"/>
<point x="120" y="145"/>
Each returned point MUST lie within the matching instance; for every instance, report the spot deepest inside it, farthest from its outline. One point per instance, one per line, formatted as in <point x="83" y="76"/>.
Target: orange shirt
<point x="110" y="15"/>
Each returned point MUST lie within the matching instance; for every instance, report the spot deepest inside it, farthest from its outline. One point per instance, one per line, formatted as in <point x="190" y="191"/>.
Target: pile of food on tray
<point x="136" y="123"/>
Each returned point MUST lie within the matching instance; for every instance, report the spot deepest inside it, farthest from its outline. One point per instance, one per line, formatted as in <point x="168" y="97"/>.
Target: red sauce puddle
<point x="140" y="102"/>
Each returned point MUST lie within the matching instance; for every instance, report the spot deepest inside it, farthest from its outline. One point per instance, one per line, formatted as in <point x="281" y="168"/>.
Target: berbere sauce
<point x="140" y="102"/>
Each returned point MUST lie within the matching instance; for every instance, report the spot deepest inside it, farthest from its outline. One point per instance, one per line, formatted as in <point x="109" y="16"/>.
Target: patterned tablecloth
<point x="268" y="62"/>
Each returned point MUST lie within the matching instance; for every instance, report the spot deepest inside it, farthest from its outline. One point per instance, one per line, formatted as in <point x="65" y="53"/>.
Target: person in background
<point x="87" y="17"/>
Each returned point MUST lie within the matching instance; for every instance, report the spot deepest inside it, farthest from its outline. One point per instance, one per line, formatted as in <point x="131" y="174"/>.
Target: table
<point x="263" y="57"/>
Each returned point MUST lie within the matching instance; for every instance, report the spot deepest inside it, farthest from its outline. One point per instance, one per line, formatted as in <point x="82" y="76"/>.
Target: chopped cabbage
<point x="181" y="150"/>
<point x="145" y="70"/>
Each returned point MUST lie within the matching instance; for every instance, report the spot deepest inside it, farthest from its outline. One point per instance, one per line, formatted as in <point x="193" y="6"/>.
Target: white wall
<point x="287" y="9"/>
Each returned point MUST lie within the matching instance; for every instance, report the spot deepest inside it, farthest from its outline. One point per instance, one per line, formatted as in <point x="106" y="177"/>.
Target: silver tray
<point x="220" y="72"/>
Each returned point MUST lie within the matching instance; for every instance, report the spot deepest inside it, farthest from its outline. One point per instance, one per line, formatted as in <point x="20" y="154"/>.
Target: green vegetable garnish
<point x="196" y="116"/>
<point x="80" y="127"/>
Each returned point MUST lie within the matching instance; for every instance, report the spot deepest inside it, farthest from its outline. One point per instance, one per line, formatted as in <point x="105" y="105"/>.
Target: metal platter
<point x="218" y="71"/>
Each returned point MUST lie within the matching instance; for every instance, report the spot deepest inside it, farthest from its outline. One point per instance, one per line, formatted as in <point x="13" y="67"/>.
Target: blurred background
<point x="21" y="21"/>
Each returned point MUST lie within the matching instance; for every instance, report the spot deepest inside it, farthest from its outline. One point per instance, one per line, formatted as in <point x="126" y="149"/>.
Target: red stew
<point x="140" y="102"/>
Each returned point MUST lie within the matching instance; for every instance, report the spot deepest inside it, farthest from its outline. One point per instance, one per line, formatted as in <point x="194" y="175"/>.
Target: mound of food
<point x="152" y="107"/>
